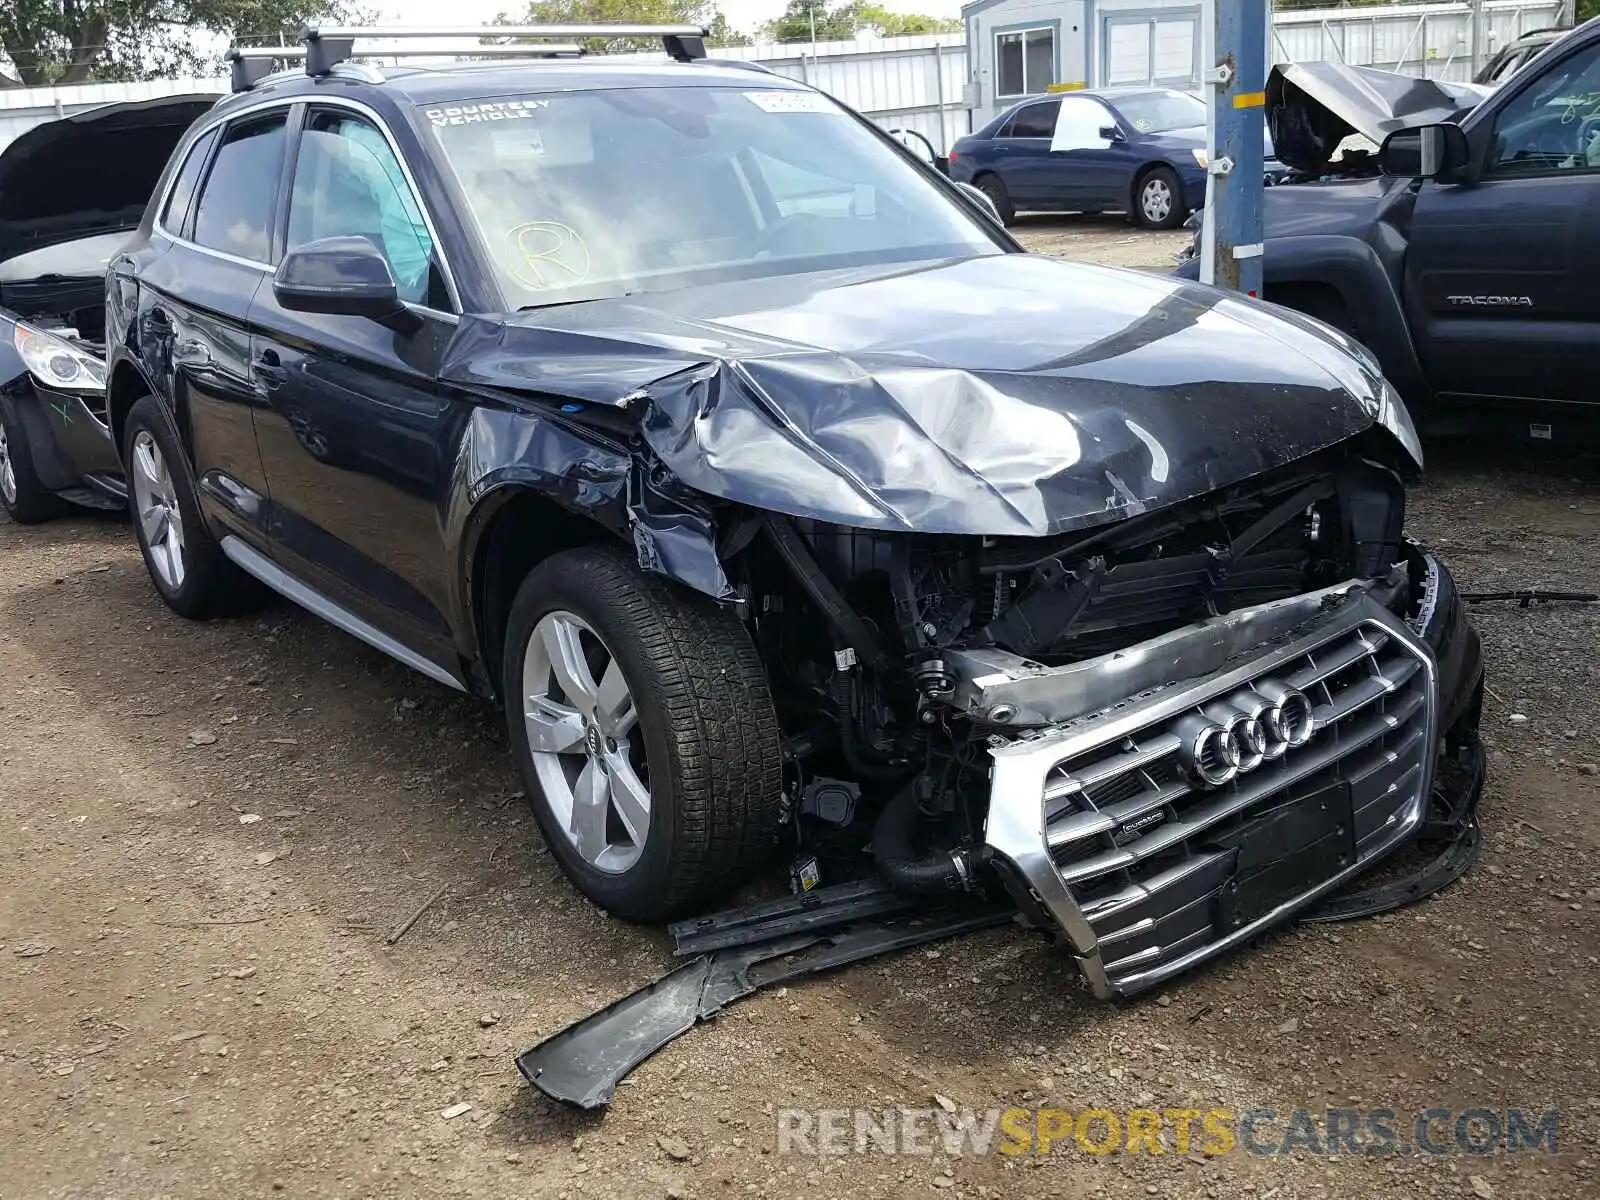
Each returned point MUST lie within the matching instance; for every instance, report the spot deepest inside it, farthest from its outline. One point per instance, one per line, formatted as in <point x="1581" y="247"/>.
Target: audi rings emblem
<point x="1233" y="737"/>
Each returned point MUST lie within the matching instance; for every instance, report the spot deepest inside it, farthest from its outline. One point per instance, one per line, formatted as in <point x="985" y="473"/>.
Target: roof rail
<point x="327" y="46"/>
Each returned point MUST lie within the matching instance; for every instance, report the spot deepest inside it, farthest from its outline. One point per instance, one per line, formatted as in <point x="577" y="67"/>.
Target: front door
<point x="357" y="441"/>
<point x="1503" y="273"/>
<point x="1090" y="162"/>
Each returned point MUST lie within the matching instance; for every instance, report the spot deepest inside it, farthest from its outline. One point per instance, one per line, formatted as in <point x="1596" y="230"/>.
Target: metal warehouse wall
<point x="918" y="82"/>
<point x="912" y="82"/>
<point x="1434" y="40"/>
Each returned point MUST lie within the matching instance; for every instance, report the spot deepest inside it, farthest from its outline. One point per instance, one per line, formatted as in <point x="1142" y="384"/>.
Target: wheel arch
<point x="125" y="387"/>
<point x="513" y="529"/>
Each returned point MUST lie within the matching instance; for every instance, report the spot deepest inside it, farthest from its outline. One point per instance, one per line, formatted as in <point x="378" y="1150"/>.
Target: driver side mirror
<point x="1111" y="133"/>
<point x="1426" y="152"/>
<point x="342" y="276"/>
<point x="982" y="201"/>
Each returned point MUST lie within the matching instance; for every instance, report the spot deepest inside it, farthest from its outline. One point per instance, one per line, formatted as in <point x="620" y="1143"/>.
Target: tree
<point x="894" y="24"/>
<point x="628" y="12"/>
<point x="842" y="22"/>
<point x="45" y="42"/>
<point x="805" y="18"/>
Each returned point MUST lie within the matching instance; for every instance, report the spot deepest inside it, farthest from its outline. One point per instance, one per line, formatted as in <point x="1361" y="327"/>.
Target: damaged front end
<point x="1162" y="737"/>
<point x="1108" y="613"/>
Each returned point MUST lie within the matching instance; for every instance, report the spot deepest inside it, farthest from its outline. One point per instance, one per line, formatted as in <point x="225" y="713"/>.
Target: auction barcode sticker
<point x="792" y="102"/>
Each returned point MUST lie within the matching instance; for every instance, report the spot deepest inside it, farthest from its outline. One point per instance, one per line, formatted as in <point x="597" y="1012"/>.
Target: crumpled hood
<point x="1313" y="106"/>
<point x="1002" y="395"/>
<point x="89" y="173"/>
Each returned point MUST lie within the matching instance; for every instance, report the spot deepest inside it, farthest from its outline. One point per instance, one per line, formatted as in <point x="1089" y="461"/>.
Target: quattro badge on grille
<point x="1232" y="737"/>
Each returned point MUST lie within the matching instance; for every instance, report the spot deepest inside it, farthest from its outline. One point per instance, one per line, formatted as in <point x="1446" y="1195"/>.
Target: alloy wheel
<point x="582" y="727"/>
<point x="1155" y="200"/>
<point x="8" y="472"/>
<point x="160" y="518"/>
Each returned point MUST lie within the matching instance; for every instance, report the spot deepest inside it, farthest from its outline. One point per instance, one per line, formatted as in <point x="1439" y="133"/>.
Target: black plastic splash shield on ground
<point x="1450" y="833"/>
<point x="583" y="1063"/>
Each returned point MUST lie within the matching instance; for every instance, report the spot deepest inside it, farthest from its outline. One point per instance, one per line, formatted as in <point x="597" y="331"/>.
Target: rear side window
<point x="234" y="212"/>
<point x="1036" y="121"/>
<point x="176" y="212"/>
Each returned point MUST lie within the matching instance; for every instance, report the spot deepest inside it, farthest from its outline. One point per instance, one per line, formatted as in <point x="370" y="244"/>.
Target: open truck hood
<point x="1001" y="395"/>
<point x="90" y="173"/>
<point x="1312" y="107"/>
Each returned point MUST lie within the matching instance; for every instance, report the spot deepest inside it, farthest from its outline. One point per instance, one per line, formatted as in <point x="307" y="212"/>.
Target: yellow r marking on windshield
<point x="547" y="254"/>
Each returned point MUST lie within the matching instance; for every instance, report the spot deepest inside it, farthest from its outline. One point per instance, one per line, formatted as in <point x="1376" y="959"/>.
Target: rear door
<point x="1503" y="274"/>
<point x="196" y="301"/>
<point x="1023" y="155"/>
<point x="356" y="439"/>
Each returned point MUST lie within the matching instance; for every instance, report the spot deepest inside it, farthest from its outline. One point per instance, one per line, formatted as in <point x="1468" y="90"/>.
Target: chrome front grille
<point x="1151" y="869"/>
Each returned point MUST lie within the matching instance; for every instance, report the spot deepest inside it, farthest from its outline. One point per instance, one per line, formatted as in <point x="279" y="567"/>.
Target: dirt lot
<point x="210" y="829"/>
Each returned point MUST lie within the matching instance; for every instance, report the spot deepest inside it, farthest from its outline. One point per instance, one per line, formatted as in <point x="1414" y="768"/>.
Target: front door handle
<point x="270" y="370"/>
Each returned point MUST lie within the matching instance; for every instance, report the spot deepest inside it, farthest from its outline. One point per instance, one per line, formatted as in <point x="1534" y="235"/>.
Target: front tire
<point x="186" y="564"/>
<point x="644" y="732"/>
<point x="1158" y="199"/>
<point x="25" y="499"/>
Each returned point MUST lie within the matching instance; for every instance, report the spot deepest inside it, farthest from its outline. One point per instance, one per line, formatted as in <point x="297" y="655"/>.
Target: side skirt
<point x="253" y="562"/>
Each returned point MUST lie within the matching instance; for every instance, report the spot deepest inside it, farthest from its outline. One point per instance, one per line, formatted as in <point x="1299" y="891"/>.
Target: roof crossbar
<point x="327" y="46"/>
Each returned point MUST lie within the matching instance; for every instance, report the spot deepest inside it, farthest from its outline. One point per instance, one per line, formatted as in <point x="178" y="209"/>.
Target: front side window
<point x="590" y="194"/>
<point x="234" y="212"/>
<point x="1035" y="120"/>
<point x="1553" y="124"/>
<point x="176" y="210"/>
<point x="348" y="183"/>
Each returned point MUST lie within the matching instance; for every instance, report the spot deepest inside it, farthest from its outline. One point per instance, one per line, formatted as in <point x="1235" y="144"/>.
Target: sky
<point x="743" y="15"/>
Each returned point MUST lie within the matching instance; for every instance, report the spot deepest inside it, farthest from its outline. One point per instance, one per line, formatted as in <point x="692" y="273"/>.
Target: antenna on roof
<point x="328" y="46"/>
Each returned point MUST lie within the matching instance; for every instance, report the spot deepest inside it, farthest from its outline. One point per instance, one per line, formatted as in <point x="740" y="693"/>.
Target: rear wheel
<point x="994" y="187"/>
<point x="186" y="564"/>
<point x="643" y="729"/>
<point x="1158" y="199"/>
<point x="24" y="498"/>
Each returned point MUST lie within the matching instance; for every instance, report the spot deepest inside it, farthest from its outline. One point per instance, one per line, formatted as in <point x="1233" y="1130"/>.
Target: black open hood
<point x="89" y="173"/>
<point x="1003" y="395"/>
<point x="1312" y="107"/>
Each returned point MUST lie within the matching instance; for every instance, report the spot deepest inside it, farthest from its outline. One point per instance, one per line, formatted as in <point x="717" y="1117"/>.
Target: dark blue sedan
<point x="1138" y="150"/>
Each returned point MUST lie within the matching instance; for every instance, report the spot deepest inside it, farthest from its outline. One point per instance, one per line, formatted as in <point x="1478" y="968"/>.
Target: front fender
<point x="508" y="453"/>
<point x="39" y="412"/>
<point x="1352" y="268"/>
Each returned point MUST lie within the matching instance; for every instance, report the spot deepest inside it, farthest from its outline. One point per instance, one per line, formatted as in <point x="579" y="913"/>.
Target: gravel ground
<point x="212" y="828"/>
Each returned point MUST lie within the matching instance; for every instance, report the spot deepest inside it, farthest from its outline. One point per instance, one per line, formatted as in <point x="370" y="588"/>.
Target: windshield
<point x="582" y="195"/>
<point x="1161" y="112"/>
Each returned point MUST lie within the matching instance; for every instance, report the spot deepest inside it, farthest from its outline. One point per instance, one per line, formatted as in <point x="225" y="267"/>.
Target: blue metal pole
<point x="1236" y="74"/>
